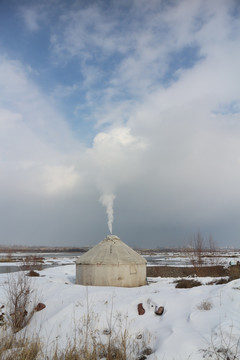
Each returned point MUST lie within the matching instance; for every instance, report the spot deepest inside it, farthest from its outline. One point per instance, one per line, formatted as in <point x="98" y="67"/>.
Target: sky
<point x="122" y="114"/>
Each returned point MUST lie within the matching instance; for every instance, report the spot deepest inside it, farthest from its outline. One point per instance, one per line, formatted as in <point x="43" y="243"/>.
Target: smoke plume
<point x="107" y="200"/>
<point x="114" y="150"/>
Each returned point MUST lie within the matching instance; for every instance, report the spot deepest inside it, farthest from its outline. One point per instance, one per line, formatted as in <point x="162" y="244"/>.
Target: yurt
<point x="111" y="263"/>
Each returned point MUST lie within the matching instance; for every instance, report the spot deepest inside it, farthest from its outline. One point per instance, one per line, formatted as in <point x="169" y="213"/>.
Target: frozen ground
<point x="194" y="321"/>
<point x="170" y="258"/>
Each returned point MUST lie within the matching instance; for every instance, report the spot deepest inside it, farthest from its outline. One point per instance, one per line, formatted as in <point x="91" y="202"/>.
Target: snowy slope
<point x="182" y="332"/>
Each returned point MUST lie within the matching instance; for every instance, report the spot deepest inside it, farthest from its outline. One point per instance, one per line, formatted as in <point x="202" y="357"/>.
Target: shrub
<point x="205" y="305"/>
<point x="32" y="262"/>
<point x="32" y="273"/>
<point x="19" y="300"/>
<point x="219" y="282"/>
<point x="187" y="283"/>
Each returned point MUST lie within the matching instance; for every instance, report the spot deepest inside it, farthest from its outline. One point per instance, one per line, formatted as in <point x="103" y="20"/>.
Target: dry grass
<point x="187" y="283"/>
<point x="99" y="351"/>
<point x="223" y="346"/>
<point x="205" y="305"/>
<point x="122" y="347"/>
<point x="112" y="343"/>
<point x="87" y="342"/>
<point x="7" y="260"/>
<point x="219" y="281"/>
<point x="117" y="344"/>
<point x="33" y="273"/>
<point x="19" y="349"/>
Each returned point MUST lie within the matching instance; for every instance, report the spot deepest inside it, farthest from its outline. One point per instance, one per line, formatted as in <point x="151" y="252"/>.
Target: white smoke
<point x="107" y="201"/>
<point x="114" y="150"/>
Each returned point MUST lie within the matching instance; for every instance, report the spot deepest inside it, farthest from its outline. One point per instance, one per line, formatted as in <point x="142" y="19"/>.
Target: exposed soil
<point x="173" y="271"/>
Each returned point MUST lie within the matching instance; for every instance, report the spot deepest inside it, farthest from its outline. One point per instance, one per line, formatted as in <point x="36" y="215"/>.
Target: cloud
<point x="62" y="91"/>
<point x="37" y="147"/>
<point x="21" y="95"/>
<point x="157" y="83"/>
<point x="95" y="31"/>
<point x="31" y="19"/>
<point x="59" y="178"/>
<point x="126" y="64"/>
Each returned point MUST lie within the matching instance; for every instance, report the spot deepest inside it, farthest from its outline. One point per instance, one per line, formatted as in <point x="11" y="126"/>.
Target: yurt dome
<point x="111" y="263"/>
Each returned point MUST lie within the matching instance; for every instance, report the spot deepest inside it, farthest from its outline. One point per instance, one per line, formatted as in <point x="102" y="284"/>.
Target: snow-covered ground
<point x="169" y="258"/>
<point x="194" y="320"/>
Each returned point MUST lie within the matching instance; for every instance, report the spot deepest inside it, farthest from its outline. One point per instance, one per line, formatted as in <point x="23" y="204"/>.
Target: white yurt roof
<point x="111" y="250"/>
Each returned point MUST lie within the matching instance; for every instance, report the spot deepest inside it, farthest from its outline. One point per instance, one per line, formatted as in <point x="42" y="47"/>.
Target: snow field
<point x="194" y="319"/>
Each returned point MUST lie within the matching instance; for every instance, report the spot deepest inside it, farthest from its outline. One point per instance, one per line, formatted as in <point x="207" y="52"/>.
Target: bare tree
<point x="211" y="244"/>
<point x="212" y="250"/>
<point x="198" y="248"/>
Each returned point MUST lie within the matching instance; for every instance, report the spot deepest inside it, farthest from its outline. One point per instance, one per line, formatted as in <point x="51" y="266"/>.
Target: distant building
<point x="111" y="263"/>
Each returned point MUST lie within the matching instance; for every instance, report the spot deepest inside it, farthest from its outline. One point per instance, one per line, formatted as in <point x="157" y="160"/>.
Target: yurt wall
<point x="111" y="263"/>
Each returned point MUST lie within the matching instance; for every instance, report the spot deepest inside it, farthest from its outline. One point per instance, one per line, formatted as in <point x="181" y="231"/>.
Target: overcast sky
<point x="131" y="106"/>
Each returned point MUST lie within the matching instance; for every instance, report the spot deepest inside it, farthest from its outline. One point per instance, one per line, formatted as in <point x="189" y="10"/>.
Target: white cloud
<point x="31" y="18"/>
<point x="21" y="95"/>
<point x="37" y="148"/>
<point x="159" y="148"/>
<point x="62" y="91"/>
<point x="59" y="178"/>
<point x="138" y="55"/>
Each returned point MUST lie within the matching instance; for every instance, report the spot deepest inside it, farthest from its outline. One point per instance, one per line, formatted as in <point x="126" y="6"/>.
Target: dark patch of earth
<point x="174" y="271"/>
